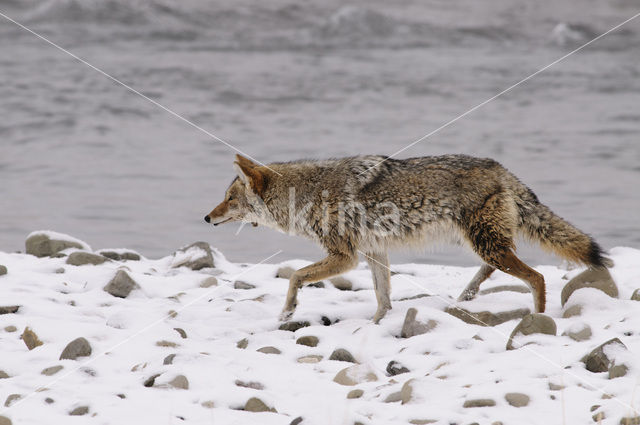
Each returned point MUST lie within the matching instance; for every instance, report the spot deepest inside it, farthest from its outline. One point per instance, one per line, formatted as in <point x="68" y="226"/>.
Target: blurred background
<point x="286" y="79"/>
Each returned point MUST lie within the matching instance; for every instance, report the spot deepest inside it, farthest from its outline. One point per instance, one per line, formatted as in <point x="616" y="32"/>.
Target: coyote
<point x="369" y="204"/>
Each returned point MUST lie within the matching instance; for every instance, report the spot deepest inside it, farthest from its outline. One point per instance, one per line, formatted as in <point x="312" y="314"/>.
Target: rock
<point x="393" y="397"/>
<point x="426" y="421"/>
<point x="636" y="295"/>
<point x="269" y="350"/>
<point x="341" y="283"/>
<point x="165" y="343"/>
<point x="517" y="399"/>
<point x="630" y="420"/>
<point x="49" y="371"/>
<point x="79" y="347"/>
<point x="536" y="323"/>
<point x="293" y="326"/>
<point x="597" y="360"/>
<point x="11" y="398"/>
<point x="121" y="285"/>
<point x="618" y="370"/>
<point x="4" y="375"/>
<point x="479" y="402"/>
<point x="413" y="327"/>
<point x="9" y="309"/>
<point x="196" y="256"/>
<point x="315" y="285"/>
<point x="243" y="343"/>
<point x="169" y="359"/>
<point x="209" y="282"/>
<point x="555" y="387"/>
<point x="308" y="340"/>
<point x="3" y="270"/>
<point x="10" y="328"/>
<point x="505" y="288"/>
<point x="406" y="391"/>
<point x="581" y="332"/>
<point x="238" y="284"/>
<point x="181" y="331"/>
<point x="342" y="355"/>
<point x="42" y="245"/>
<point x="571" y="311"/>
<point x="285" y="272"/>
<point x="30" y="338"/>
<point x="487" y="318"/>
<point x="395" y="368"/>
<point x="209" y="404"/>
<point x="591" y="278"/>
<point x="254" y="404"/>
<point x="4" y="420"/>
<point x="120" y="256"/>
<point x="357" y="393"/>
<point x="49" y="400"/>
<point x="79" y="411"/>
<point x="81" y="258"/>
<point x="355" y="374"/>
<point x="180" y="382"/>
<point x="296" y="421"/>
<point x="310" y="359"/>
<point x="150" y="380"/>
<point x="250" y="384"/>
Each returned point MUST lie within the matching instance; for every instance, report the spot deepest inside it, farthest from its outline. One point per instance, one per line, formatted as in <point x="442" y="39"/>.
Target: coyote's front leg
<point x="379" y="265"/>
<point x="334" y="264"/>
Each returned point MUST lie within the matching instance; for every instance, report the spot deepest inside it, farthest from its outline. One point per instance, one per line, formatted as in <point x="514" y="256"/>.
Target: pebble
<point x="487" y="318"/>
<point x="342" y="355"/>
<point x="597" y="360"/>
<point x="11" y="398"/>
<point x="308" y="340"/>
<point x="180" y="382"/>
<point x="198" y="263"/>
<point x="636" y="295"/>
<point x="10" y="328"/>
<point x="310" y="359"/>
<point x="341" y="283"/>
<point x="354" y="375"/>
<point x="536" y="323"/>
<point x="591" y="278"/>
<point x="517" y="399"/>
<point x="243" y="343"/>
<point x="79" y="411"/>
<point x="121" y="285"/>
<point x="269" y="350"/>
<point x="9" y="309"/>
<point x="79" y="347"/>
<point x="181" y="331"/>
<point x="254" y="404"/>
<point x="49" y="371"/>
<point x="4" y="420"/>
<point x="249" y="384"/>
<point x="294" y="326"/>
<point x="169" y="359"/>
<point x="479" y="402"/>
<point x="580" y="332"/>
<point x="238" y="284"/>
<point x="3" y="270"/>
<point x="412" y="327"/>
<point x="395" y="368"/>
<point x="81" y="258"/>
<point x="357" y="393"/>
<point x="209" y="282"/>
<point x="30" y="338"/>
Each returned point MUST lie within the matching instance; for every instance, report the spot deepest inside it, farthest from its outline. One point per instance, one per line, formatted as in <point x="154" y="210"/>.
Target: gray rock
<point x="636" y="295"/>
<point x="308" y="340"/>
<point x="181" y="332"/>
<point x="429" y="421"/>
<point x="4" y="375"/>
<point x="49" y="400"/>
<point x="583" y="334"/>
<point x="165" y="343"/>
<point x="254" y="404"/>
<point x="487" y="318"/>
<point x="3" y="270"/>
<point x="517" y="399"/>
<point x="506" y="288"/>
<point x="4" y="420"/>
<point x="79" y="347"/>
<point x="285" y="272"/>
<point x="79" y="411"/>
<point x="354" y="375"/>
<point x="238" y="284"/>
<point x="41" y="245"/>
<point x="9" y="309"/>
<point x="630" y="420"/>
<point x="479" y="402"/>
<point x="597" y="360"/>
<point x="81" y="258"/>
<point x="618" y="370"/>
<point x="250" y="384"/>
<point x="11" y="398"/>
<point x="536" y="323"/>
<point x="10" y="328"/>
<point x="180" y="382"/>
<point x="169" y="359"/>
<point x="209" y="282"/>
<point x="198" y="263"/>
<point x="591" y="278"/>
<point x="314" y="358"/>
<point x="208" y="404"/>
<point x="395" y="368"/>
<point x="393" y="397"/>
<point x="341" y="283"/>
<point x="121" y="285"/>
<point x="412" y="327"/>
<point x="150" y="381"/>
<point x="121" y="256"/>
<point x="294" y="326"/>
<point x="49" y="371"/>
<point x="357" y="393"/>
<point x="296" y="421"/>
<point x="269" y="350"/>
<point x="572" y="311"/>
<point x="30" y="339"/>
<point x="406" y="391"/>
<point x="243" y="343"/>
<point x="342" y="355"/>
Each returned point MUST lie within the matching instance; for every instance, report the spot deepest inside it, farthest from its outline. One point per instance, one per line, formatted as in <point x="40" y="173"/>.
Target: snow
<point x="452" y="363"/>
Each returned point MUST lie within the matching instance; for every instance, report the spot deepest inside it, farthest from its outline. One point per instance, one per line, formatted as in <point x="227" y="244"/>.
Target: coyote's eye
<point x="230" y="198"/>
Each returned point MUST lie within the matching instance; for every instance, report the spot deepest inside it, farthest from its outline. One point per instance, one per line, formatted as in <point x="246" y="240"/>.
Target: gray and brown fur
<point x="456" y="198"/>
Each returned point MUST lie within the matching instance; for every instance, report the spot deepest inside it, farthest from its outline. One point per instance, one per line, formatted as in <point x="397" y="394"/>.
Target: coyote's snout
<point x="369" y="204"/>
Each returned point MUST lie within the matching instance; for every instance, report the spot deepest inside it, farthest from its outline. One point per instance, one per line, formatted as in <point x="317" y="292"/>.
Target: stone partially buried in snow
<point x="121" y="285"/>
<point x="79" y="411"/>
<point x="636" y="295"/>
<point x="81" y="258"/>
<point x="79" y="347"/>
<point x="3" y="270"/>
<point x="120" y="255"/>
<point x="294" y="325"/>
<point x="487" y="318"/>
<point x="412" y="327"/>
<point x="342" y="355"/>
<point x="47" y="244"/>
<point x="341" y="283"/>
<point x="30" y="338"/>
<point x="355" y="374"/>
<point x="254" y="404"/>
<point x="591" y="278"/>
<point x="180" y="382"/>
<point x="578" y="332"/>
<point x="536" y="323"/>
<point x="598" y="360"/>
<point x="196" y="256"/>
<point x="517" y="399"/>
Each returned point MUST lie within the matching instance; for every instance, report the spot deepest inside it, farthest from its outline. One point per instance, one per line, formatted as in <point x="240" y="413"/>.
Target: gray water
<point x="282" y="80"/>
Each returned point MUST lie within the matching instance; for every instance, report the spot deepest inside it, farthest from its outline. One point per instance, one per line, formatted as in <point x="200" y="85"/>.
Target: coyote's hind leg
<point x="472" y="288"/>
<point x="379" y="265"/>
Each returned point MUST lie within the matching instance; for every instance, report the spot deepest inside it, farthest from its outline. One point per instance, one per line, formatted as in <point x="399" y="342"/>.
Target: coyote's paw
<point x="286" y="315"/>
<point x="380" y="313"/>
<point x="466" y="296"/>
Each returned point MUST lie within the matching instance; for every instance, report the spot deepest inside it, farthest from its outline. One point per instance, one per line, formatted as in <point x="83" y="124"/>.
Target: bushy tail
<point x="559" y="236"/>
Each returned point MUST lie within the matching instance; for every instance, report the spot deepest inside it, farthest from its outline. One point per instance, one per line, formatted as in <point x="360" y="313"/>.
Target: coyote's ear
<point x="251" y="175"/>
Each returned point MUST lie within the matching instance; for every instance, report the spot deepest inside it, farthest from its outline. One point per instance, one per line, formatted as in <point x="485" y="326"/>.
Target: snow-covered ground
<point x="452" y="364"/>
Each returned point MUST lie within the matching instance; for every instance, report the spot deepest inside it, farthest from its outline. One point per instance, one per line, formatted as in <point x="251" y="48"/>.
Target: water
<point x="283" y="80"/>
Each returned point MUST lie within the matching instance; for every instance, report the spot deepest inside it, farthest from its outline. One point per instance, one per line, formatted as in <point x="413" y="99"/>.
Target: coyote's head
<point x="243" y="199"/>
